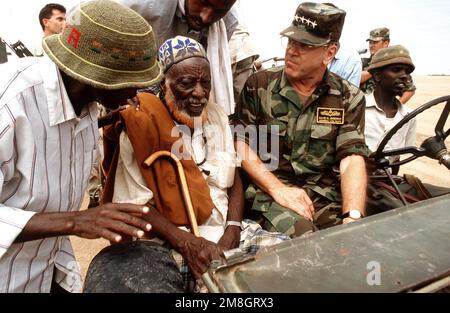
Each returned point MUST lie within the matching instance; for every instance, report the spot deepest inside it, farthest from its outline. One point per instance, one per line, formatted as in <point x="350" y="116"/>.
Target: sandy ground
<point x="428" y="88"/>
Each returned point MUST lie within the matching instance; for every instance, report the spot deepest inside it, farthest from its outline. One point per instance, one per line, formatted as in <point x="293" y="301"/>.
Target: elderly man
<point x="48" y="139"/>
<point x="209" y="22"/>
<point x="379" y="38"/>
<point x="318" y="120"/>
<point x="182" y="121"/>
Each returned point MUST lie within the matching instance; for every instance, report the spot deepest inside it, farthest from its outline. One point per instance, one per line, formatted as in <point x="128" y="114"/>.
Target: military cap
<point x="316" y="24"/>
<point x="378" y="34"/>
<point x="391" y="55"/>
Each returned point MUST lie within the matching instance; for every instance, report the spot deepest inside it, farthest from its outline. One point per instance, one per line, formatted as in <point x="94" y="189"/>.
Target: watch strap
<point x="233" y="223"/>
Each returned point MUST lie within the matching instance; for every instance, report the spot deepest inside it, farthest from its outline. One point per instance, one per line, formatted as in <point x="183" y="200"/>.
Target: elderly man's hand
<point x="199" y="253"/>
<point x="230" y="238"/>
<point x="294" y="198"/>
<point x="111" y="221"/>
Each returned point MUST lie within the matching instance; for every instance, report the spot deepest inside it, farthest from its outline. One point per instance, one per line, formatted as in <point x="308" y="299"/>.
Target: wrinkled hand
<point x="294" y="198"/>
<point x="199" y="253"/>
<point x="230" y="238"/>
<point x="111" y="221"/>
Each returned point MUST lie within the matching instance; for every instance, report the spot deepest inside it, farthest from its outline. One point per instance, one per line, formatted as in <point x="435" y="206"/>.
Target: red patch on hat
<point x="74" y="37"/>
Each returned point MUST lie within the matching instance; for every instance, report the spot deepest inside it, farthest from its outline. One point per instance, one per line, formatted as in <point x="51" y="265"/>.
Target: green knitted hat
<point x="391" y="55"/>
<point x="106" y="45"/>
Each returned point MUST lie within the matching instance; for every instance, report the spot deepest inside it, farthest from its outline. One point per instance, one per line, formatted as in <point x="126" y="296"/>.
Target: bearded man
<point x="183" y="121"/>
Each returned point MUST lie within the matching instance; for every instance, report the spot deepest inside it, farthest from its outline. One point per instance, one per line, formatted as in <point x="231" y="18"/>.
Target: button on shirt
<point x="46" y="155"/>
<point x="377" y="125"/>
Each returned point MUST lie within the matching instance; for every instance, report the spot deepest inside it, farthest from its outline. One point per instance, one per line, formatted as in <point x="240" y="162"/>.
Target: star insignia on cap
<point x="305" y="20"/>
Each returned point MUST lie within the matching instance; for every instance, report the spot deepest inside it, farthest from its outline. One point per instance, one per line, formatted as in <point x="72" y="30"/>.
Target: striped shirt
<point x="46" y="154"/>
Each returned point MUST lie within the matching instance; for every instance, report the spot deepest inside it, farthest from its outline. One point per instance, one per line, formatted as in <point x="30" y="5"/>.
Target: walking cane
<point x="187" y="201"/>
<point x="184" y="187"/>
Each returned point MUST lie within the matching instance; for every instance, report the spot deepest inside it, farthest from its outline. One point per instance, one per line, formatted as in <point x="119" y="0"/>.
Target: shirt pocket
<point x="277" y="128"/>
<point x="322" y="146"/>
<point x="323" y="131"/>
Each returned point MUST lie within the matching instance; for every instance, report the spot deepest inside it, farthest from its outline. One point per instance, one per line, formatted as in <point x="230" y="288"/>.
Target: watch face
<point x="355" y="214"/>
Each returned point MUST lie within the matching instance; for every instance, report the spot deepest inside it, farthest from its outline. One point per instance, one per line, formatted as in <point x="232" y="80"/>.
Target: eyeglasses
<point x="287" y="42"/>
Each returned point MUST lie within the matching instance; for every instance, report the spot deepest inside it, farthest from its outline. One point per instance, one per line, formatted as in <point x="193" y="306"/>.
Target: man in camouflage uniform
<point x="379" y="38"/>
<point x="318" y="119"/>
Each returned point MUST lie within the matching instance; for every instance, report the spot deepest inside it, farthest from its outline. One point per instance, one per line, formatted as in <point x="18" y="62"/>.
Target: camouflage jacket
<point x="309" y="148"/>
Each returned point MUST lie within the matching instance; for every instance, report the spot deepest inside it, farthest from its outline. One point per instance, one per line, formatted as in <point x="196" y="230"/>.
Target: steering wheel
<point x="433" y="147"/>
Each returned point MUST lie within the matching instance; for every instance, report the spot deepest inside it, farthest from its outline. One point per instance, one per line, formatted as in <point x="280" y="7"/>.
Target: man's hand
<point x="230" y="238"/>
<point x="294" y="198"/>
<point x="199" y="253"/>
<point x="348" y="220"/>
<point x="111" y="221"/>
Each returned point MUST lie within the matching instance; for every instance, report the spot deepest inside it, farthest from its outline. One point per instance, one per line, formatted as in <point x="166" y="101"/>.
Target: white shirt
<point x="220" y="164"/>
<point x="377" y="125"/>
<point x="46" y="154"/>
<point x="167" y="20"/>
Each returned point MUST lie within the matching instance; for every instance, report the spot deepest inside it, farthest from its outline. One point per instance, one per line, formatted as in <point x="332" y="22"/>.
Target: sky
<point x="423" y="26"/>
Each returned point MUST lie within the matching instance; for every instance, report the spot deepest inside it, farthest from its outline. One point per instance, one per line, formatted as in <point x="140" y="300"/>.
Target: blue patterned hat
<point x="177" y="49"/>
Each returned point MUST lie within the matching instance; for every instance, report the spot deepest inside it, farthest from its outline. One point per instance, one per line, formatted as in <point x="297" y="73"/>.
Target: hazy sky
<point x="423" y="26"/>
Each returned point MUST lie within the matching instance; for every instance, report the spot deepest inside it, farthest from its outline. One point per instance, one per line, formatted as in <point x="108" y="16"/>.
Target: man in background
<point x="379" y="38"/>
<point x="208" y="22"/>
<point x="52" y="18"/>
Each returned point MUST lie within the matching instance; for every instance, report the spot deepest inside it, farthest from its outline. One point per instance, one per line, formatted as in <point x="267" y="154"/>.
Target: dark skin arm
<point x="365" y="76"/>
<point x="231" y="237"/>
<point x="198" y="251"/>
<point x="110" y="221"/>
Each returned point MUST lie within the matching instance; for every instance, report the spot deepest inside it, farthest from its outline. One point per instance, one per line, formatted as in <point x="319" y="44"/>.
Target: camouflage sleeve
<point x="350" y="139"/>
<point x="247" y="111"/>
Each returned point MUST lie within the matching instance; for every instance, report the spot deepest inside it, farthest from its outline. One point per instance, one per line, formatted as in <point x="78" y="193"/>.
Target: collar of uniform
<point x="327" y="82"/>
<point x="283" y="86"/>
<point x="60" y="108"/>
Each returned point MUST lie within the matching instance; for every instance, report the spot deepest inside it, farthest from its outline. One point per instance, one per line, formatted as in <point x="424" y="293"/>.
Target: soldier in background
<point x="379" y="38"/>
<point x="318" y="118"/>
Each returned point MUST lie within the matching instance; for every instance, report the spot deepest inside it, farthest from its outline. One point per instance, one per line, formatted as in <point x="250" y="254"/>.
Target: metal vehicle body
<point x="402" y="250"/>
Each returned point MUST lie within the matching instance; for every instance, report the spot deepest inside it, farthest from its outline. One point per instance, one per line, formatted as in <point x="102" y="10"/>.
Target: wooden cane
<point x="188" y="204"/>
<point x="184" y="187"/>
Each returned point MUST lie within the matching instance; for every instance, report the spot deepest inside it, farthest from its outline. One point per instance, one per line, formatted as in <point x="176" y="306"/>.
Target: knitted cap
<point x="177" y="49"/>
<point x="391" y="55"/>
<point x="106" y="45"/>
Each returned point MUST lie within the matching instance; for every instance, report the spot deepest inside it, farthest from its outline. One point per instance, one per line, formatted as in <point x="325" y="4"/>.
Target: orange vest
<point x="149" y="130"/>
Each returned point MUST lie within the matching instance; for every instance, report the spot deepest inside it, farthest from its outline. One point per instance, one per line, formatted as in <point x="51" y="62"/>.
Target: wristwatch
<point x="353" y="214"/>
<point x="233" y="223"/>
